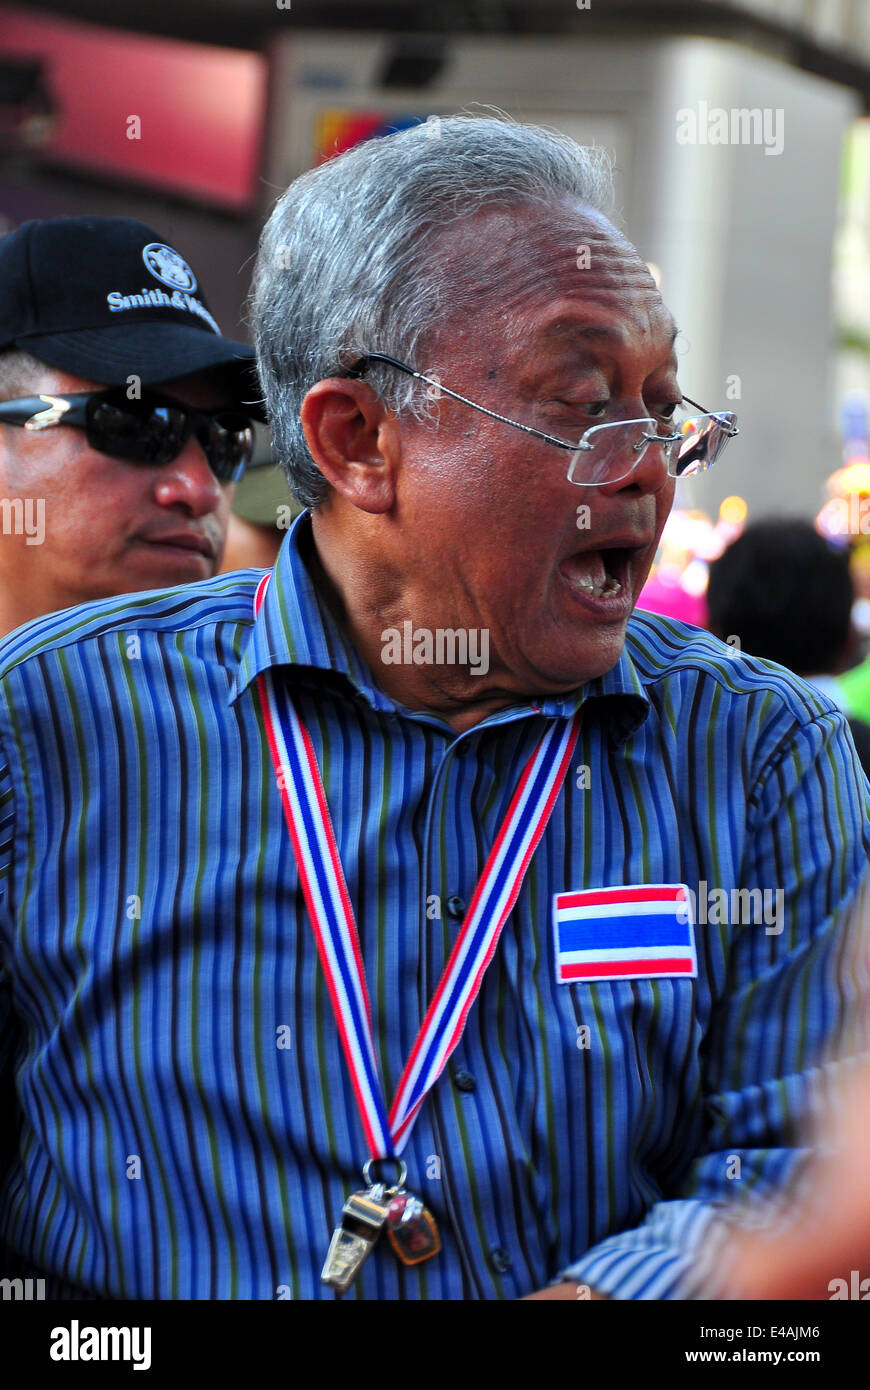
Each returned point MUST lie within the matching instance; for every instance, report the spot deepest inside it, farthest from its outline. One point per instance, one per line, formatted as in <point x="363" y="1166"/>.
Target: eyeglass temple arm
<point x="715" y="413"/>
<point x="39" y="412"/>
<point x="359" y="367"/>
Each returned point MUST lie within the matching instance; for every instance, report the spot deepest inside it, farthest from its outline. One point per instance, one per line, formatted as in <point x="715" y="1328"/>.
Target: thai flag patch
<point x="624" y="933"/>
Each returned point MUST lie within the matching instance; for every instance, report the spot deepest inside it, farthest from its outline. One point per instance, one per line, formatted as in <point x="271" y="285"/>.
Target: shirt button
<point x="456" y="908"/>
<point x="464" y="1081"/>
<point x="500" y="1260"/>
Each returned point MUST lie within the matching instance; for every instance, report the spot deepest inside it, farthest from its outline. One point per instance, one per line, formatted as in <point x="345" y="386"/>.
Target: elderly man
<point x="122" y="428"/>
<point x="363" y="944"/>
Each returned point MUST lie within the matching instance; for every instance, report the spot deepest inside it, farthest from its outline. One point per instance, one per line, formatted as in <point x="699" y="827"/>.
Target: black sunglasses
<point x="152" y="429"/>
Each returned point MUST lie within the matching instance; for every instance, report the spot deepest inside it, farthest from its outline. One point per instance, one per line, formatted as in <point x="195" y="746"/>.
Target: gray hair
<point x="19" y="371"/>
<point x="344" y="266"/>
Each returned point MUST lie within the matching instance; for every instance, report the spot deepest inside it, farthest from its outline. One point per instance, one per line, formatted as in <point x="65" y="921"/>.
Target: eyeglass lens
<point x="618" y="448"/>
<point x="703" y="437"/>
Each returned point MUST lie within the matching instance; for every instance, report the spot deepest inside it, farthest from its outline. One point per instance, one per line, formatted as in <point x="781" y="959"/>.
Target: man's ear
<point x="354" y="440"/>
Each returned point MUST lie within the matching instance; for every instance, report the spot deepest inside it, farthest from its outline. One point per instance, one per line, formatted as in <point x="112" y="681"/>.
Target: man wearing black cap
<point x="127" y="417"/>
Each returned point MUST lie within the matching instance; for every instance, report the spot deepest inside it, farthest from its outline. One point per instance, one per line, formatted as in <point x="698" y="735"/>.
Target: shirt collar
<point x="295" y="628"/>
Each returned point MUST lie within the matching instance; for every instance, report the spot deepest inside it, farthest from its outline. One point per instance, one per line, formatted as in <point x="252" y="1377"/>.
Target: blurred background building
<point x="738" y="131"/>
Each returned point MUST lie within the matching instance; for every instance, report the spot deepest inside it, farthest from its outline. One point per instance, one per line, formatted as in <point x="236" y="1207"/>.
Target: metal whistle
<point x="362" y="1219"/>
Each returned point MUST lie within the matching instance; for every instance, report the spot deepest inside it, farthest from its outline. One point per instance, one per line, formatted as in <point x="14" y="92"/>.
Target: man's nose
<point x="646" y="469"/>
<point x="189" y="481"/>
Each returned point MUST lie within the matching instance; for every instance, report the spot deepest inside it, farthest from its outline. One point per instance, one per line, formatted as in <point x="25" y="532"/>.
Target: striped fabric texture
<point x="180" y="1124"/>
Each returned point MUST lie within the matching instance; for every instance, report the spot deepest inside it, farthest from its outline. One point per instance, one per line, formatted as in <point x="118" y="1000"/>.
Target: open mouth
<point x="599" y="573"/>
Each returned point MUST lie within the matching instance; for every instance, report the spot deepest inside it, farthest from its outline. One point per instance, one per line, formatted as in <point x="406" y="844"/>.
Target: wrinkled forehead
<point x="546" y="269"/>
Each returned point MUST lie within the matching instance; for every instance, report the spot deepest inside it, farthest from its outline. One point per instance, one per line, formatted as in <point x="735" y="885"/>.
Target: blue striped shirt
<point x="183" y="1126"/>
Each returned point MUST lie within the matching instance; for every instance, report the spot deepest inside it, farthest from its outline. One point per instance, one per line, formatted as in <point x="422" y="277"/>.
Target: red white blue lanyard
<point x="326" y="896"/>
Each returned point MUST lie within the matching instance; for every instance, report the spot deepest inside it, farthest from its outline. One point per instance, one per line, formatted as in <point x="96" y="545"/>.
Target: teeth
<point x="589" y="573"/>
<point x="610" y="586"/>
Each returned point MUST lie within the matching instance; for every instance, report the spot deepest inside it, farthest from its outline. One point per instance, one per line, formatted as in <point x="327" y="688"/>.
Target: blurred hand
<point x="830" y="1236"/>
<point x="567" y="1290"/>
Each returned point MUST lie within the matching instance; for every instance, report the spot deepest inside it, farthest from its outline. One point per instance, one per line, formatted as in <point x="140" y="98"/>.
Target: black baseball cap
<point x="106" y="298"/>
